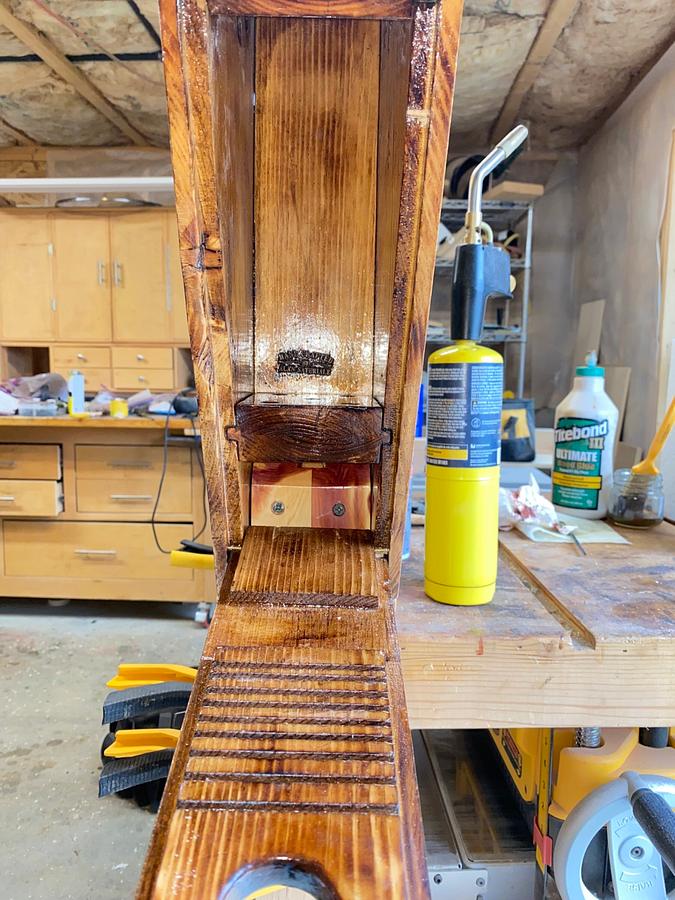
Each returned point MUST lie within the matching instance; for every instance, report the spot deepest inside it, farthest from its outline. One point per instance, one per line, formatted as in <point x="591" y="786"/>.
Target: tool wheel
<point x="636" y="867"/>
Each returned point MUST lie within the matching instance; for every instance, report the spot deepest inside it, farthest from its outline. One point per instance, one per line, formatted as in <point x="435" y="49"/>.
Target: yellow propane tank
<point x="462" y="500"/>
<point x="464" y="415"/>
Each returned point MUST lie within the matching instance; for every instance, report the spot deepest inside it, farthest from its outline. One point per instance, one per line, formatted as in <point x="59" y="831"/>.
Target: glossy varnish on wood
<point x="308" y="143"/>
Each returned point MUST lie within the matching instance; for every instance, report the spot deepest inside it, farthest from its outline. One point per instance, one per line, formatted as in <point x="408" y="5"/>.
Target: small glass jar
<point x="636" y="501"/>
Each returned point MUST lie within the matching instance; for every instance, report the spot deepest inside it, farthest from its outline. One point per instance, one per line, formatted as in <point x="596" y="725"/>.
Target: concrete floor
<point x="58" y="841"/>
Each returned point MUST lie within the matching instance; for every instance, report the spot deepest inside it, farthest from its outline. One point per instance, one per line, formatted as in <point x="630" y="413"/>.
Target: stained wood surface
<point x="316" y="145"/>
<point x="370" y="9"/>
<point x="296" y="742"/>
<point x="271" y="432"/>
<point x="523" y="660"/>
<point x="615" y="594"/>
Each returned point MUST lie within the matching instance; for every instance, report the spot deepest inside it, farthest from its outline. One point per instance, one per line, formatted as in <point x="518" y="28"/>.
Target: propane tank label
<point x="464" y="415"/>
<point x="577" y="462"/>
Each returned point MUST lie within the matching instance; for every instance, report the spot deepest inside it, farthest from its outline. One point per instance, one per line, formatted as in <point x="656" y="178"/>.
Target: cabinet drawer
<point x="131" y="463"/>
<point x="142" y="357"/>
<point x="30" y="498"/>
<point x="137" y="495"/>
<point x="91" y="550"/>
<point x="95" y="379"/>
<point x="34" y="461"/>
<point x="66" y="358"/>
<point x="136" y="380"/>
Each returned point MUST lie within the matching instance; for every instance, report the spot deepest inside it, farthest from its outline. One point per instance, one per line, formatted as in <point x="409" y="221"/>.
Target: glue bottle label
<point x="464" y="414"/>
<point x="577" y="464"/>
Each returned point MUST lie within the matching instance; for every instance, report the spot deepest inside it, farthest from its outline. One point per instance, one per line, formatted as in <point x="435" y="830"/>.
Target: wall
<point x="621" y="186"/>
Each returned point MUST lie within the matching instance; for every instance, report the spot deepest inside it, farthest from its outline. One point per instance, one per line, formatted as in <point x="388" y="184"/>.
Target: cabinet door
<point x="139" y="283"/>
<point x="179" y="325"/>
<point x="26" y="277"/>
<point x="82" y="276"/>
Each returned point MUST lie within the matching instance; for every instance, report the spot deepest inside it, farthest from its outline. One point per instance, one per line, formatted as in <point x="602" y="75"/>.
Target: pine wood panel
<point x="138" y="379"/>
<point x="30" y="461"/>
<point x="26" y="247"/>
<point x="142" y="357"/>
<point x="82" y="277"/>
<point x="64" y="357"/>
<point x="316" y="102"/>
<point x="372" y="9"/>
<point x="30" y="498"/>
<point x="139" y="277"/>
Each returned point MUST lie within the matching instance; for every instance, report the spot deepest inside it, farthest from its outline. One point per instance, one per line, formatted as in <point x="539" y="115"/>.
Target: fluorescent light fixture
<point x="150" y="184"/>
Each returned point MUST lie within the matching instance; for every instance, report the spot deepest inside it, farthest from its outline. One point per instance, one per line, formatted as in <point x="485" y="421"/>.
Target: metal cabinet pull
<point x="95" y="552"/>
<point x="117" y="273"/>
<point x="125" y="497"/>
<point x="130" y="464"/>
<point x="81" y="357"/>
<point x="140" y="357"/>
<point x="100" y="273"/>
<point x="7" y="498"/>
<point x="142" y="378"/>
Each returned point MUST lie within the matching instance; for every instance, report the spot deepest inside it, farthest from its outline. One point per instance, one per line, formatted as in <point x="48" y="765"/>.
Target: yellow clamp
<point x="137" y="741"/>
<point x="141" y="674"/>
<point x="187" y="560"/>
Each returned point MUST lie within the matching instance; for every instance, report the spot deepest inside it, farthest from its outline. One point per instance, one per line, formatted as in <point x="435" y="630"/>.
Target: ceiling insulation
<point x="597" y="59"/>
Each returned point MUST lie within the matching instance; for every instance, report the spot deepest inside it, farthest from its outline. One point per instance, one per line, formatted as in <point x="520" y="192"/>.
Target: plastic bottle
<point x="76" y="393"/>
<point x="584" y="438"/>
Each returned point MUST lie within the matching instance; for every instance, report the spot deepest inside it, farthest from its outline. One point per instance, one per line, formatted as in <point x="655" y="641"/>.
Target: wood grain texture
<point x="272" y="432"/>
<point x="350" y="9"/>
<point x="432" y="80"/>
<point x="296" y="742"/>
<point x="308" y="561"/>
<point x="316" y="146"/>
<point x="185" y="50"/>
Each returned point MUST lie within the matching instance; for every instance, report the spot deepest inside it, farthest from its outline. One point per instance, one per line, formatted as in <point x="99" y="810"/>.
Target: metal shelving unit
<point x="500" y="215"/>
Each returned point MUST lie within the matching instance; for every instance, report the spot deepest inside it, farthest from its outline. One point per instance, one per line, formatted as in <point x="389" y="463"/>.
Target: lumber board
<point x="523" y="660"/>
<point x="613" y="596"/>
<point x="359" y="9"/>
<point x="315" y="202"/>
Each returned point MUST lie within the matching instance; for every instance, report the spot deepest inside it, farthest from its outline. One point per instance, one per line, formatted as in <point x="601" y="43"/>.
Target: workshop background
<point x="90" y="281"/>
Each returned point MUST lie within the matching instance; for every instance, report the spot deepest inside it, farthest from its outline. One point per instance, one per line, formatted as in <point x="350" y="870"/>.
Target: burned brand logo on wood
<point x="304" y="362"/>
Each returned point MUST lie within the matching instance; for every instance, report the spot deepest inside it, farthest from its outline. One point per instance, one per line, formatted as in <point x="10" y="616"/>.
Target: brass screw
<point x="339" y="509"/>
<point x="278" y="507"/>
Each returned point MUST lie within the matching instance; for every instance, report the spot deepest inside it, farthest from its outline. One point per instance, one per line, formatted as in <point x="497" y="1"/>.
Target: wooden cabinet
<point x="26" y="299"/>
<point x="140" y="294"/>
<point x="178" y="313"/>
<point x="82" y="276"/>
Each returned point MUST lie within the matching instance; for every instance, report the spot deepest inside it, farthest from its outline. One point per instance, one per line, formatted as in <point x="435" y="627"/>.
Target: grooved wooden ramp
<point x="292" y="749"/>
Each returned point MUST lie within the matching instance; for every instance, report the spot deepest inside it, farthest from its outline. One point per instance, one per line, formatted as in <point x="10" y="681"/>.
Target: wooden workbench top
<point x="568" y="640"/>
<point x="137" y="422"/>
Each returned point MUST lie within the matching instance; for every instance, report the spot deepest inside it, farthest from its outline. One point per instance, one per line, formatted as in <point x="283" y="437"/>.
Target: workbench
<point x="568" y="640"/>
<point x="76" y="502"/>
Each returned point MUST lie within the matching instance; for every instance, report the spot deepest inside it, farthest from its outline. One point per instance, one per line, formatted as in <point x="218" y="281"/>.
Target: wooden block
<point x="589" y="330"/>
<point x="372" y="9"/>
<point x="514" y="191"/>
<point x="281" y="495"/>
<point x="341" y="497"/>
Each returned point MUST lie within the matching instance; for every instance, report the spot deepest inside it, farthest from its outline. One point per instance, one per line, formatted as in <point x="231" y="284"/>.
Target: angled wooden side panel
<point x="185" y="42"/>
<point x="432" y="81"/>
<point x="295" y="758"/>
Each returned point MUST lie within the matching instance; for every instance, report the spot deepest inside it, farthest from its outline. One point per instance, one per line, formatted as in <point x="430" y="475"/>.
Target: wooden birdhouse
<point x="309" y="140"/>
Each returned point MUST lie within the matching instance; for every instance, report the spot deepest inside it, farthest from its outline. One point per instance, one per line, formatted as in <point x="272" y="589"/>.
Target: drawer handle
<point x="82" y="357"/>
<point x="96" y="552"/>
<point x="140" y="357"/>
<point x="130" y="465"/>
<point x="125" y="497"/>
<point x="7" y="464"/>
<point x="142" y="378"/>
<point x="7" y="498"/>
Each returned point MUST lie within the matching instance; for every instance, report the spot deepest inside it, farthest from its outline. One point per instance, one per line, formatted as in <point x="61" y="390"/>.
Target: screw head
<point x="278" y="507"/>
<point x="637" y="852"/>
<point x="339" y="509"/>
<point x="480" y="882"/>
<point x="438" y="878"/>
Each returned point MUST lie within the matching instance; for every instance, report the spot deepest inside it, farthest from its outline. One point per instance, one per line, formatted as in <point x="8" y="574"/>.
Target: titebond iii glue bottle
<point x="584" y="437"/>
<point x="464" y="419"/>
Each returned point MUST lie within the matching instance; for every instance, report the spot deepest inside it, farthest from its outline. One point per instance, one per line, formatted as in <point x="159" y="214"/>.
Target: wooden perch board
<point x="309" y="142"/>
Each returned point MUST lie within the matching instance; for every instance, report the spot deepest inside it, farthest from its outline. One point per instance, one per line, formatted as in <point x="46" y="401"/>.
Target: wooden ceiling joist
<point x="19" y="136"/>
<point x="558" y="15"/>
<point x="67" y="71"/>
